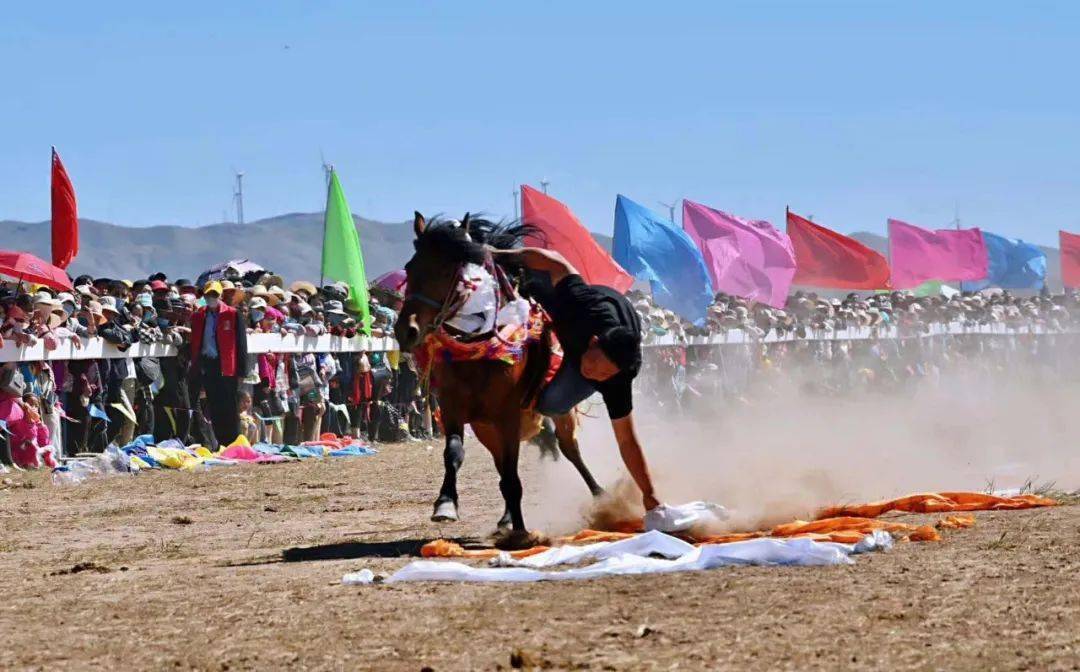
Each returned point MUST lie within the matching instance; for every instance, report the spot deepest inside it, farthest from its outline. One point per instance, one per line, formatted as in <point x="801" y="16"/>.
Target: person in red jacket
<point x="218" y="358"/>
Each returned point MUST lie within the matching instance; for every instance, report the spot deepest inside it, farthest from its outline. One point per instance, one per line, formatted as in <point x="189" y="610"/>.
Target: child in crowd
<point x="29" y="440"/>
<point x="248" y="426"/>
<point x="19" y="322"/>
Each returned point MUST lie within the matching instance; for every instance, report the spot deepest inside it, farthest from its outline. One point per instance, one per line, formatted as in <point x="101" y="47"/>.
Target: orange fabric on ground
<point x="443" y="548"/>
<point x="956" y="522"/>
<point x="930" y="502"/>
<point x="729" y="538"/>
<point x="840" y="524"/>
<point x="924" y="533"/>
<point x="594" y="536"/>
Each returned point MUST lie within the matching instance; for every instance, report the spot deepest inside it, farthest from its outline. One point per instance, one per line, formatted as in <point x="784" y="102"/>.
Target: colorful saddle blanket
<point x="506" y="344"/>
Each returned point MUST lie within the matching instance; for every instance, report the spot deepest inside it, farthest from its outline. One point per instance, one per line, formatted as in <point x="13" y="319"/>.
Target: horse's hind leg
<point x="446" y="505"/>
<point x="566" y="432"/>
<point x="547" y="440"/>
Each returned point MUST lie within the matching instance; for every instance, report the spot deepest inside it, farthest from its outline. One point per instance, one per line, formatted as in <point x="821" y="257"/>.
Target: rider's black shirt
<point x="580" y="311"/>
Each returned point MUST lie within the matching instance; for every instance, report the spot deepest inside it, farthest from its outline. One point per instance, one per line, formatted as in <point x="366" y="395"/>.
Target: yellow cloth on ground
<point x="174" y="458"/>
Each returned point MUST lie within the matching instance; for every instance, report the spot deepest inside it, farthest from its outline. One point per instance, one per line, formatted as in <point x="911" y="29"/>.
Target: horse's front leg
<point x="446" y="505"/>
<point x="506" y="460"/>
<point x="510" y="482"/>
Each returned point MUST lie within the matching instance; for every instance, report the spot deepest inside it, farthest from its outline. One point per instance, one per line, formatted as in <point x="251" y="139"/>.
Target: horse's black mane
<point x="447" y="237"/>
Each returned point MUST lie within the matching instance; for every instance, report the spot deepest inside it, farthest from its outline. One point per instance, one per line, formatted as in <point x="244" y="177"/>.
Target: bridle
<point x="446" y="308"/>
<point x="455" y="299"/>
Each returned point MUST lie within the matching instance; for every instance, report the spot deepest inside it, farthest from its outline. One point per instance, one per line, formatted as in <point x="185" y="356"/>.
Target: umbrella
<point x="232" y="269"/>
<point x="392" y="281"/>
<point x="25" y="267"/>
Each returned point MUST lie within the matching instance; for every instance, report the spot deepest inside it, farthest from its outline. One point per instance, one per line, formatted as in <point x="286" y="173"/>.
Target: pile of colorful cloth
<point x="837" y="533"/>
<point x="144" y="453"/>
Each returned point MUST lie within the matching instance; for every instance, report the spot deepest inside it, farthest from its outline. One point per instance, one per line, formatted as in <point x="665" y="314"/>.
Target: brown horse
<point x="492" y="396"/>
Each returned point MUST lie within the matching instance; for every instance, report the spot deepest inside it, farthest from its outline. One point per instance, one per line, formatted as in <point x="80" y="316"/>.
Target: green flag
<point x="341" y="258"/>
<point x="928" y="288"/>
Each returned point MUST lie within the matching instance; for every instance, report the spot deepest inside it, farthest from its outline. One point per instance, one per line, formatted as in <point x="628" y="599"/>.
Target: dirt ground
<point x="194" y="571"/>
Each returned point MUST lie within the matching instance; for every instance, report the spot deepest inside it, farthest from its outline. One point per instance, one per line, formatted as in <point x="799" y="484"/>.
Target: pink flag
<point x="745" y="258"/>
<point x="918" y="255"/>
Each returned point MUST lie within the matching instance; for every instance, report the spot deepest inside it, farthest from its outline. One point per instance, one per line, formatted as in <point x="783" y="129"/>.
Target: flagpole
<point x="888" y="247"/>
<point x="322" y="259"/>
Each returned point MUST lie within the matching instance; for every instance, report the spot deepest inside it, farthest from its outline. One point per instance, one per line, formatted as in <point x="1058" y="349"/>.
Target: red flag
<point x="1070" y="259"/>
<point x="825" y="258"/>
<point x="65" y="219"/>
<point x="562" y="232"/>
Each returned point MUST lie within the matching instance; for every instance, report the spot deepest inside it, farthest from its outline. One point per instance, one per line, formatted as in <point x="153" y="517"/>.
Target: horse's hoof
<point x="518" y="540"/>
<point x="445" y="512"/>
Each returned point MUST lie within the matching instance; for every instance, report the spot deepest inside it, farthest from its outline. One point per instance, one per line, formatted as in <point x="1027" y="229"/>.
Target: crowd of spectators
<point x="807" y="313"/>
<point x="55" y="408"/>
<point x="1033" y="337"/>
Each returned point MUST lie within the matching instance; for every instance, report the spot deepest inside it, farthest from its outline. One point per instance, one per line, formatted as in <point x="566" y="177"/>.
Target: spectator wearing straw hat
<point x="305" y="290"/>
<point x="218" y="357"/>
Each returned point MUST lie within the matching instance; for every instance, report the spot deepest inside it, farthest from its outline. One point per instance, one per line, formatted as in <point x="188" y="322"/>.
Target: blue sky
<point x="851" y="112"/>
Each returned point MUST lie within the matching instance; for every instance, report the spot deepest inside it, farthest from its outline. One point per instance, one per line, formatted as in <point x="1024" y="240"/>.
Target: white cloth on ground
<point x="636" y="555"/>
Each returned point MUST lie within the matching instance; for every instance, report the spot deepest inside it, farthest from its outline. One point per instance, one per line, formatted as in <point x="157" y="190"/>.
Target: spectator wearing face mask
<point x="218" y="355"/>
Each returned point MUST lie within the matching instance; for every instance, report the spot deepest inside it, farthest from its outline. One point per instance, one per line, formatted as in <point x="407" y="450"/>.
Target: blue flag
<point x="1013" y="264"/>
<point x="654" y="249"/>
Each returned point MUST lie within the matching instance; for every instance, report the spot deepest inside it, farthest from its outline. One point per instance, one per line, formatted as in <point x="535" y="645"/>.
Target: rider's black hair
<point x="623" y="347"/>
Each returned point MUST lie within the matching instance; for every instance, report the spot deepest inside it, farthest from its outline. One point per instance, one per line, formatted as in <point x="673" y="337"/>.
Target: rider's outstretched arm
<point x="537" y="259"/>
<point x="634" y="459"/>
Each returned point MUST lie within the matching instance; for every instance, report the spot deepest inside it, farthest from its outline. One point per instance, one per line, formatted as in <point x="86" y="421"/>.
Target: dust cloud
<point x="774" y="459"/>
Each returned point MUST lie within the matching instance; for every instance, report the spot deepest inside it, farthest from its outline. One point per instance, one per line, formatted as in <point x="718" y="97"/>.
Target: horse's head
<point x="442" y="248"/>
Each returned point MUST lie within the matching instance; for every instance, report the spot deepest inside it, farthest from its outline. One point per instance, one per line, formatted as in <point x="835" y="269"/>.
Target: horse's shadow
<point x="351" y="550"/>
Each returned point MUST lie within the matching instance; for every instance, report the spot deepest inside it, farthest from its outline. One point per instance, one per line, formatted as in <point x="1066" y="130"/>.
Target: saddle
<point x="493" y="323"/>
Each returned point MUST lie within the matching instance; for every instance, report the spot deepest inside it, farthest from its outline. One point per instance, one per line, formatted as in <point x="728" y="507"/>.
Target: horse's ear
<point x="418" y="223"/>
<point x="465" y="224"/>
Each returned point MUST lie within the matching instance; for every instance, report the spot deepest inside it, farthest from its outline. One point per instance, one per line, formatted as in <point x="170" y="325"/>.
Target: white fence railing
<point x="737" y="336"/>
<point x="97" y="348"/>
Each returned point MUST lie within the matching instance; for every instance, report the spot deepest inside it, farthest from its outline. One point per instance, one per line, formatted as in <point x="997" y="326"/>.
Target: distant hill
<point x="290" y="245"/>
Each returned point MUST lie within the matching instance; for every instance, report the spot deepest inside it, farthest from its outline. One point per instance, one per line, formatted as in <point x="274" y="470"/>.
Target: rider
<point x="600" y="334"/>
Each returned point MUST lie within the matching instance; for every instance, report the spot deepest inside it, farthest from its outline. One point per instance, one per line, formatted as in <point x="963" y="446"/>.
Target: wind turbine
<point x="239" y="196"/>
<point x="516" y="192"/>
<point x="327" y="168"/>
<point x="671" y="209"/>
<point x="544" y="184"/>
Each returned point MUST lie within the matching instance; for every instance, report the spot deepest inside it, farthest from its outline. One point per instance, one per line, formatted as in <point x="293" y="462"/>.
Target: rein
<point x="447" y="308"/>
<point x="452" y="303"/>
<point x="455" y="299"/>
